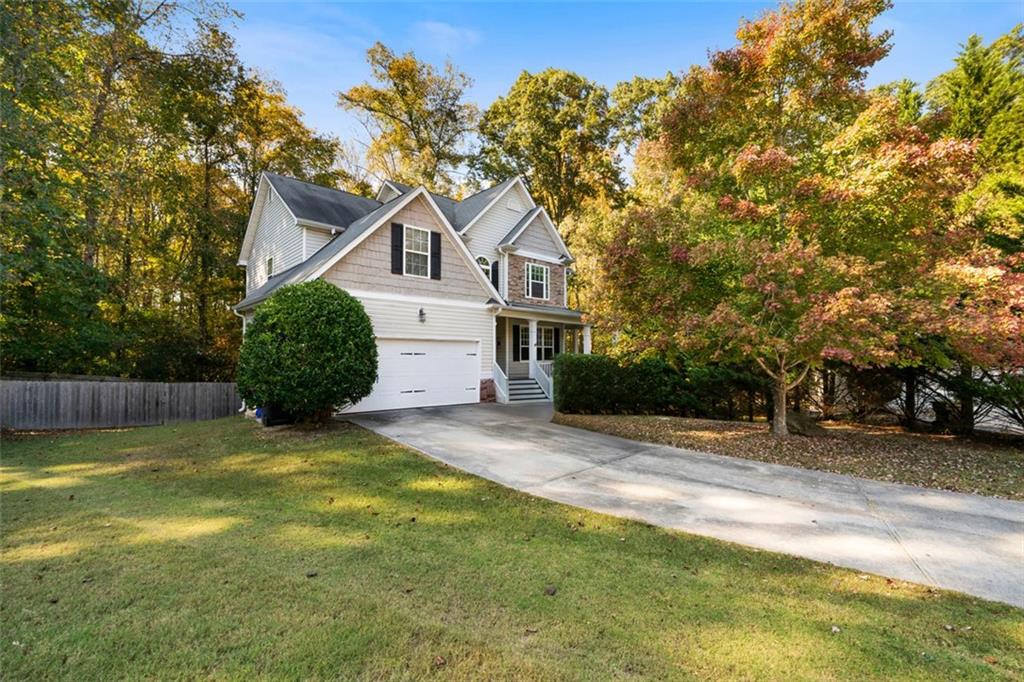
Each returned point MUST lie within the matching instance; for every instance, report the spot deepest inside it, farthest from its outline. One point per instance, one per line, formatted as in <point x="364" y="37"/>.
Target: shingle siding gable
<point x="537" y="239"/>
<point x="368" y="266"/>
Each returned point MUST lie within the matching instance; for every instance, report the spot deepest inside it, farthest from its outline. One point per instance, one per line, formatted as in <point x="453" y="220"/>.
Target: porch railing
<point x="542" y="375"/>
<point x="500" y="384"/>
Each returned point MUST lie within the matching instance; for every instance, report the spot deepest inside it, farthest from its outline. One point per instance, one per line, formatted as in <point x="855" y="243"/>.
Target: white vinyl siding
<point x="277" y="237"/>
<point x="400" y="319"/>
<point x="316" y="240"/>
<point x="491" y="227"/>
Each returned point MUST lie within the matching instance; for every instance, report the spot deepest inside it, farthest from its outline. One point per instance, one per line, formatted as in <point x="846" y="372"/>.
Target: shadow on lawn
<point x="220" y="521"/>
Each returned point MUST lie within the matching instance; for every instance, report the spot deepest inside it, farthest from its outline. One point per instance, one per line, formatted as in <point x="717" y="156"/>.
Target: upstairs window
<point x="270" y="267"/>
<point x="537" y="280"/>
<point x="485" y="265"/>
<point x="417" y="252"/>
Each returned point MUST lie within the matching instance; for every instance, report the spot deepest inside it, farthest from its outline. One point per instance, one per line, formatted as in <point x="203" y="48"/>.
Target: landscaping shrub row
<point x="598" y="384"/>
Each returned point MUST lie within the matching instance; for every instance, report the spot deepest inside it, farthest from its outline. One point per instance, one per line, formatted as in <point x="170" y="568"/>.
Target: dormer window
<point x="485" y="265"/>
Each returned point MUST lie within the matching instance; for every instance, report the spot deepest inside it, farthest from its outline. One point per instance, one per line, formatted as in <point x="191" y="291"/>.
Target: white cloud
<point x="443" y="37"/>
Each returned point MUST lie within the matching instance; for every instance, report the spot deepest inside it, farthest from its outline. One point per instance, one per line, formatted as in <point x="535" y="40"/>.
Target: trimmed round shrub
<point x="308" y="349"/>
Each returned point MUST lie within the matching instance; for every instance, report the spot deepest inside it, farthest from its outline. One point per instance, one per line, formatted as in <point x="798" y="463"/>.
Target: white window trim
<point x="405" y="263"/>
<point x="524" y="329"/>
<point x="270" y="267"/>
<point x="547" y="281"/>
<point x="480" y="265"/>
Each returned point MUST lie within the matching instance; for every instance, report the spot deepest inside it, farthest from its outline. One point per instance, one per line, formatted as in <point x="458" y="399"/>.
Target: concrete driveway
<point x="960" y="542"/>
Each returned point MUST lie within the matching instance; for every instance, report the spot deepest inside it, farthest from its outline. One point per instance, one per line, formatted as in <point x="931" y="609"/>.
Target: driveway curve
<point x="966" y="543"/>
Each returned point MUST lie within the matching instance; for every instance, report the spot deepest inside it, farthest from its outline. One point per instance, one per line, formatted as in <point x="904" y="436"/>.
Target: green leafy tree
<point x="416" y="118"/>
<point x="555" y="129"/>
<point x="271" y="136"/>
<point x="982" y="88"/>
<point x="132" y="136"/>
<point x="982" y="98"/>
<point x="308" y="349"/>
<point x="639" y="105"/>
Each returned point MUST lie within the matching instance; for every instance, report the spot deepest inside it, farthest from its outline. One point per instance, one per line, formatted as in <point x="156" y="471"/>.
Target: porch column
<point x="586" y="339"/>
<point x="533" y="346"/>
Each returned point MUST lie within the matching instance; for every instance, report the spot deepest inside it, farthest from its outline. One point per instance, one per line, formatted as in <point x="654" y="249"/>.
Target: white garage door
<point x="414" y="373"/>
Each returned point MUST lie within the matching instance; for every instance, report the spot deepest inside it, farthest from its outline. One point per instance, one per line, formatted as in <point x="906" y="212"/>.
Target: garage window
<point x="417" y="252"/>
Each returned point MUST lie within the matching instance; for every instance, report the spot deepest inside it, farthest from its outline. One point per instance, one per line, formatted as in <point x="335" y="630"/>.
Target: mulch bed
<point x="882" y="453"/>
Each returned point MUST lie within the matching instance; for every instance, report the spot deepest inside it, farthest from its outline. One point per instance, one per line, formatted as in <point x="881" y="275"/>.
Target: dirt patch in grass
<point x="882" y="453"/>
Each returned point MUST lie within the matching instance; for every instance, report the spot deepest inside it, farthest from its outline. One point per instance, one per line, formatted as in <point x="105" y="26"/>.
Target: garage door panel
<point x="417" y="373"/>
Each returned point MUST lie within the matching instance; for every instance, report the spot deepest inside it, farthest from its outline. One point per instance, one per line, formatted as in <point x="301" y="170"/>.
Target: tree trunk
<point x="910" y="399"/>
<point x="965" y="402"/>
<point x="202" y="299"/>
<point x="779" y="427"/>
<point x="828" y="394"/>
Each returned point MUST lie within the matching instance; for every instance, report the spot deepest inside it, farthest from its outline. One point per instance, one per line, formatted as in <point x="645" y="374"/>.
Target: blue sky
<point x="316" y="49"/>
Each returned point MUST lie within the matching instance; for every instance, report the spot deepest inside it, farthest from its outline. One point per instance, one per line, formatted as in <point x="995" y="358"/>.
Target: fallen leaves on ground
<point x="882" y="453"/>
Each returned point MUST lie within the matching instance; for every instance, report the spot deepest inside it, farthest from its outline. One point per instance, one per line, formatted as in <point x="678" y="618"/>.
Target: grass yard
<point x="882" y="453"/>
<point x="221" y="550"/>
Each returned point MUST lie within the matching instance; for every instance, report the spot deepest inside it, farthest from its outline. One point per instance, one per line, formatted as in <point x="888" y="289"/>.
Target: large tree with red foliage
<point x="813" y="220"/>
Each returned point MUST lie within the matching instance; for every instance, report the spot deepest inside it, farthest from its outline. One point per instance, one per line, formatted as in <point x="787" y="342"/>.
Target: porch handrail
<point x="542" y="377"/>
<point x="500" y="384"/>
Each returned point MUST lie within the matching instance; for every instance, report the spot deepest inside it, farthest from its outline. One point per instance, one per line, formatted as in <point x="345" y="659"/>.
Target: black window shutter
<point x="494" y="275"/>
<point x="397" y="237"/>
<point x="515" y="343"/>
<point x="558" y="341"/>
<point x="435" y="255"/>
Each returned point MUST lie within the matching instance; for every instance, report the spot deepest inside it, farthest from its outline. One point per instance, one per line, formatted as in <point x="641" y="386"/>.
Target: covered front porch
<point x="526" y="342"/>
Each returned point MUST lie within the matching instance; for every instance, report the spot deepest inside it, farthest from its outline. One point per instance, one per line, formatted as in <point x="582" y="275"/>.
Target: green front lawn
<point x="221" y="550"/>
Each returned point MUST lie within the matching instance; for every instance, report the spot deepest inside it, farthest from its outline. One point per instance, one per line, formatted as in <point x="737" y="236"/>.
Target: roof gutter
<point x="303" y="222"/>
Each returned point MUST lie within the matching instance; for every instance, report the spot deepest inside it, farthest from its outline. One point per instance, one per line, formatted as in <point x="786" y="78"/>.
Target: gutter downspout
<point x="242" y="409"/>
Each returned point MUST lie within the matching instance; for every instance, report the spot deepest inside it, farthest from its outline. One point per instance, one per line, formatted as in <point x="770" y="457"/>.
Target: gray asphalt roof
<point x="470" y="207"/>
<point x="523" y="222"/>
<point x="461" y="213"/>
<point x="551" y="310"/>
<point x="320" y="204"/>
<point x="298" y="273"/>
<point x="354" y="214"/>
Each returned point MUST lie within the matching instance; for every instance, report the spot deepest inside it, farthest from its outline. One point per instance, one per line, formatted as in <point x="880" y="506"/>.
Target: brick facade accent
<point x="487" y="391"/>
<point x="517" y="282"/>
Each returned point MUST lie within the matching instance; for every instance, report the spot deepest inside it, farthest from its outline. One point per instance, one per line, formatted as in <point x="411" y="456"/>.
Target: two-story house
<point x="467" y="298"/>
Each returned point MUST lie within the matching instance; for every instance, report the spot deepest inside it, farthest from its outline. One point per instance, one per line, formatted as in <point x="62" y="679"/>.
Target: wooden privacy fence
<point x="100" y="404"/>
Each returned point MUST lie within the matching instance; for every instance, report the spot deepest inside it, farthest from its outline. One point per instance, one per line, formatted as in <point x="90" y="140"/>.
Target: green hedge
<point x="597" y="384"/>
